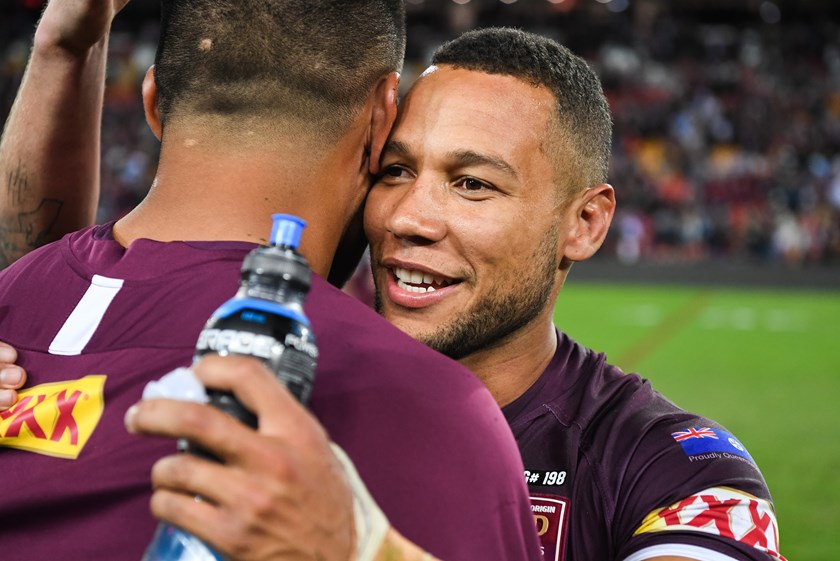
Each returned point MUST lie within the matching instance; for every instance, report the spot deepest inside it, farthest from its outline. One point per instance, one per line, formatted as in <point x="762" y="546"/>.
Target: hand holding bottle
<point x="280" y="493"/>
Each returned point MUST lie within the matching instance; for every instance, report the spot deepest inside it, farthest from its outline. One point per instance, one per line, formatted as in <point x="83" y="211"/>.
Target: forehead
<point x="456" y="109"/>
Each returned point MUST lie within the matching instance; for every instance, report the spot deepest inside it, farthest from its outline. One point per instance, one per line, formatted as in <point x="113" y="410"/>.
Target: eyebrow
<point x="396" y="147"/>
<point x="470" y="158"/>
<point x="459" y="157"/>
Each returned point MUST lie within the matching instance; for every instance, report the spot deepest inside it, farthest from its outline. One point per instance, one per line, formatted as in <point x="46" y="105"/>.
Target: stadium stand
<point x="727" y="121"/>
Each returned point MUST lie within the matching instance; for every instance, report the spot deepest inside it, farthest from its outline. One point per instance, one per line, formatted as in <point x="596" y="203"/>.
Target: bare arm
<point x="49" y="152"/>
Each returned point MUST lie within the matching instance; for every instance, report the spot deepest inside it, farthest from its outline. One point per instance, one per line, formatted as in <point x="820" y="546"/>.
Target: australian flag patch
<point x="697" y="441"/>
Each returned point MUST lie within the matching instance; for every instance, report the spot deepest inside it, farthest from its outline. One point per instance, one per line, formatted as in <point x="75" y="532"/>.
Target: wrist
<point x="50" y="43"/>
<point x="371" y="525"/>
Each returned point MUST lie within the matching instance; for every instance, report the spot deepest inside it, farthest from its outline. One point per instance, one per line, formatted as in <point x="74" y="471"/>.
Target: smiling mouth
<point x="419" y="281"/>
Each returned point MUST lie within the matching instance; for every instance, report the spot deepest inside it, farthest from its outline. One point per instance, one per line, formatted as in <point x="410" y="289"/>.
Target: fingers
<point x="280" y="415"/>
<point x="254" y="514"/>
<point x="257" y="388"/>
<point x="8" y="354"/>
<point x="280" y="491"/>
<point x="205" y="426"/>
<point x="226" y="530"/>
<point x="12" y="377"/>
<point x="188" y="513"/>
<point x="214" y="483"/>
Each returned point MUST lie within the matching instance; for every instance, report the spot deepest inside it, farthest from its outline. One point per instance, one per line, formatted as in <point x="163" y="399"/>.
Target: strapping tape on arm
<point x="371" y="524"/>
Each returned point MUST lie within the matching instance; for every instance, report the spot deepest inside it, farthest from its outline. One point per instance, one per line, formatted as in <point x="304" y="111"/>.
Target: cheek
<point x="488" y="243"/>
<point x="508" y="248"/>
<point x="375" y="212"/>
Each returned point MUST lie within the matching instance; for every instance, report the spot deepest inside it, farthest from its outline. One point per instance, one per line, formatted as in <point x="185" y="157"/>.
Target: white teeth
<point x="410" y="288"/>
<point x="406" y="276"/>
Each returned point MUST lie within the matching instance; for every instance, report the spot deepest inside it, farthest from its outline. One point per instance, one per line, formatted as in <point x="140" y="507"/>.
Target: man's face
<point x="464" y="223"/>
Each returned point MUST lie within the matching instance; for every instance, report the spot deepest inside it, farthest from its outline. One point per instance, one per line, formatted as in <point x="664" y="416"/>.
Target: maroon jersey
<point x="94" y="322"/>
<point x="618" y="472"/>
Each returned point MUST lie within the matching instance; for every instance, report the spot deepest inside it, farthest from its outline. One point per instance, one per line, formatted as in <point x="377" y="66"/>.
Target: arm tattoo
<point x="23" y="228"/>
<point x="17" y="184"/>
<point x="22" y="234"/>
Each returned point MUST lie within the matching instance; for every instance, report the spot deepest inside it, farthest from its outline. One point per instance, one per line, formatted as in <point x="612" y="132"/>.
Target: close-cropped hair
<point x="307" y="62"/>
<point x="582" y="111"/>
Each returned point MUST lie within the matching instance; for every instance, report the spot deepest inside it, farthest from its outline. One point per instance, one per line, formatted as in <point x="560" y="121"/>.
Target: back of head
<point x="301" y="67"/>
<point x="583" y="119"/>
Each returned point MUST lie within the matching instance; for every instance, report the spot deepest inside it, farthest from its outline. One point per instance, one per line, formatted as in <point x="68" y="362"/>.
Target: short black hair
<point x="582" y="109"/>
<point x="313" y="61"/>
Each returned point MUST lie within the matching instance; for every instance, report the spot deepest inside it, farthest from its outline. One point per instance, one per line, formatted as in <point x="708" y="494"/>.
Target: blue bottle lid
<point x="286" y="230"/>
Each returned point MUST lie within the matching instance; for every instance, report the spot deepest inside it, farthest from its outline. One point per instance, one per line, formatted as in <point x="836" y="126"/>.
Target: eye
<point x="392" y="173"/>
<point x="473" y="185"/>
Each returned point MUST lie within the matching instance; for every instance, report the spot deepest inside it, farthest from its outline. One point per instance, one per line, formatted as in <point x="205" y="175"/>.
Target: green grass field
<point x="765" y="364"/>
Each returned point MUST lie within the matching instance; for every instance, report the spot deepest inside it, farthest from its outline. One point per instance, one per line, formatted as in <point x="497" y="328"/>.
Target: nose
<point x="418" y="214"/>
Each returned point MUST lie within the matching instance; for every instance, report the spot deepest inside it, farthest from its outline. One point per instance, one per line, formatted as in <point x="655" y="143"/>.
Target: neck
<point x="217" y="191"/>
<point x="511" y="366"/>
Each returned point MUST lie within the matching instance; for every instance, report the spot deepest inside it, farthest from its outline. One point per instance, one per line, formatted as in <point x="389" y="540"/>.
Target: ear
<point x="150" y="100"/>
<point x="382" y="117"/>
<point x="589" y="216"/>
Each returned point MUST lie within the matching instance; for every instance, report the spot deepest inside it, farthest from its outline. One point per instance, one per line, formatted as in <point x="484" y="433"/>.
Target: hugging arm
<point x="49" y="152"/>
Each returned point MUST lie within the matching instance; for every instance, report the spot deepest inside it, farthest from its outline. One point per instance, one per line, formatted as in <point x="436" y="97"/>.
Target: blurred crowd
<point x="727" y="134"/>
<point x="727" y="142"/>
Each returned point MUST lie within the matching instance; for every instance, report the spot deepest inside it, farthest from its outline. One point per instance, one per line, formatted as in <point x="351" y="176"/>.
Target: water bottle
<point x="265" y="319"/>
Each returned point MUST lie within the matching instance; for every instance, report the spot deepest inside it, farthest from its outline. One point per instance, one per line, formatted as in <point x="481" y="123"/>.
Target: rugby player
<point x="493" y="184"/>
<point x="260" y="105"/>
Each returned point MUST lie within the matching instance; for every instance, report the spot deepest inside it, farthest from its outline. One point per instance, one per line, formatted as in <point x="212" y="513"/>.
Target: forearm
<point x="49" y="152"/>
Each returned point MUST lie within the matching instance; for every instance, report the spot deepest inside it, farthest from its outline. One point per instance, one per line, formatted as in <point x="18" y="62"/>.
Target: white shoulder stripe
<point x="80" y="326"/>
<point x="678" y="550"/>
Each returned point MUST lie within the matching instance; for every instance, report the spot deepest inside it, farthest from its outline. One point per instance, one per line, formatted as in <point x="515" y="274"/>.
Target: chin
<point x="412" y="328"/>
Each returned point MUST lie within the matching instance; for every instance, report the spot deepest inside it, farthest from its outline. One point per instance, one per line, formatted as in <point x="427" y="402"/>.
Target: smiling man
<point x="493" y="185"/>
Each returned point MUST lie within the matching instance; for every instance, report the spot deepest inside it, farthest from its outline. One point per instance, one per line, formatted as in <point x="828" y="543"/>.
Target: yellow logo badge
<point x="54" y="419"/>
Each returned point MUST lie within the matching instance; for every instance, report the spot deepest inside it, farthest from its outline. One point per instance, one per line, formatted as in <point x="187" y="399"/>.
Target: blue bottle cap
<point x="286" y="230"/>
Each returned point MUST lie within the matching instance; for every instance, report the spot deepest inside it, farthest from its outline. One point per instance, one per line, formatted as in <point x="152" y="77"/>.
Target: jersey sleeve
<point x="687" y="487"/>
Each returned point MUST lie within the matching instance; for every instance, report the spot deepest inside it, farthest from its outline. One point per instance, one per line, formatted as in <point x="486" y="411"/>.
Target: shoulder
<point x="27" y="316"/>
<point x="669" y="476"/>
<point x="581" y="388"/>
<point x="648" y="446"/>
<point x="38" y="258"/>
<point x="682" y="478"/>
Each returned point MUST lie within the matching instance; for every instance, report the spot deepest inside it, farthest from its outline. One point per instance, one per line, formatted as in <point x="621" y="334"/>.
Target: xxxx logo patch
<point x="724" y="512"/>
<point x="54" y="419"/>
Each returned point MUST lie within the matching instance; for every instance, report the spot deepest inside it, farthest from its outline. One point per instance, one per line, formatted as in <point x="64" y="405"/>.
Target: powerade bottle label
<point x="271" y="332"/>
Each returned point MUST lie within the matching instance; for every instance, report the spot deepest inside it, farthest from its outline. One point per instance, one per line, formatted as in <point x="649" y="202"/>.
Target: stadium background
<point x="720" y="280"/>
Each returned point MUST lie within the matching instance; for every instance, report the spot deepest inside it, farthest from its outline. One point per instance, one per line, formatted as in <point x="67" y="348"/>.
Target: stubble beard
<point x="499" y="314"/>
